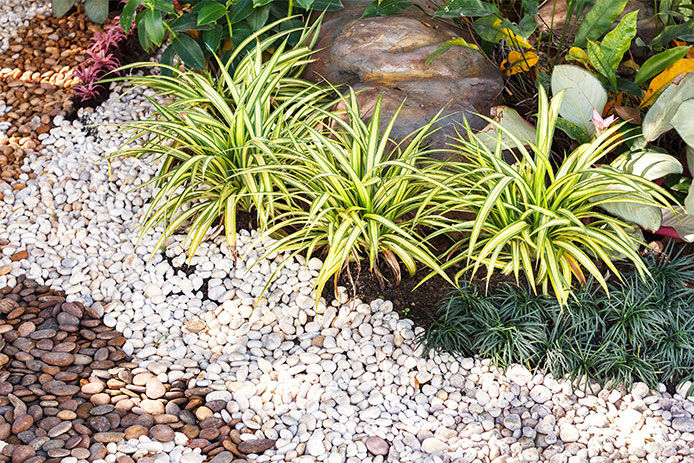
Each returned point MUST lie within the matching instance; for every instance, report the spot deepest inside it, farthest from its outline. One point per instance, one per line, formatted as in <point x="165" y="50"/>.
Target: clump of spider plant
<point x="361" y="195"/>
<point x="643" y="331"/>
<point x="541" y="219"/>
<point x="220" y="133"/>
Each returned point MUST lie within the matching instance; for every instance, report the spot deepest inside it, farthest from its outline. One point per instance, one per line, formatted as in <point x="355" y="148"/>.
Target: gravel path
<point x="16" y="13"/>
<point x="338" y="383"/>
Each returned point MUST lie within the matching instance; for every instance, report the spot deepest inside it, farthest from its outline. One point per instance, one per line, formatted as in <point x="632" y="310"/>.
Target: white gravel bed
<point x="338" y="383"/>
<point x="17" y="13"/>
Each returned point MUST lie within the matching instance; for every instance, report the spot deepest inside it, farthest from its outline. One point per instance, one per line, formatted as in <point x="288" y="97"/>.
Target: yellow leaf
<point x="665" y="78"/>
<point x="518" y="62"/>
<point x="578" y="54"/>
<point x="511" y="37"/>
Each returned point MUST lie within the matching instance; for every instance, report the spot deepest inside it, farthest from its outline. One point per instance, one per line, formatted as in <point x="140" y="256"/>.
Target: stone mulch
<point x="67" y="389"/>
<point x="36" y="75"/>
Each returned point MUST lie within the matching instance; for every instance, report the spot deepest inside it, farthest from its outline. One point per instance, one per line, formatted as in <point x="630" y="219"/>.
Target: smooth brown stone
<point x="22" y="453"/>
<point x="135" y="431"/>
<point x="100" y="423"/>
<point x="80" y="453"/>
<point x="59" y="429"/>
<point x="191" y="431"/>
<point x="162" y="433"/>
<point x="111" y="436"/>
<point x="93" y="387"/>
<point x="67" y="415"/>
<point x="256" y="446"/>
<point x="22" y="423"/>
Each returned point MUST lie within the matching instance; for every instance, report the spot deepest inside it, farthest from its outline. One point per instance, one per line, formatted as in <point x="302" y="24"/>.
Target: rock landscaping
<point x="114" y="352"/>
<point x="291" y="382"/>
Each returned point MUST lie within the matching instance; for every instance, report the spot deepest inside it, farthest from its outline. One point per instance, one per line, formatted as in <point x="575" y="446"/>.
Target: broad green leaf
<point x="257" y="3"/>
<point x="211" y="13"/>
<point x="240" y="11"/>
<point x="471" y="8"/>
<point x="689" y="200"/>
<point x="493" y="29"/>
<point x="683" y="121"/>
<point x="61" y="7"/>
<point x="530" y="7"/>
<point x="614" y="45"/>
<point x="598" y="20"/>
<point x="658" y="63"/>
<point x="96" y="10"/>
<point x="164" y="6"/>
<point x="650" y="165"/>
<point x="186" y="22"/>
<point x="514" y="123"/>
<point x="658" y="119"/>
<point x="681" y="221"/>
<point x="305" y="4"/>
<point x="167" y="57"/>
<point x="258" y="17"/>
<point x="574" y="131"/>
<point x="646" y="216"/>
<point x="583" y="94"/>
<point x="189" y="50"/>
<point x="447" y="45"/>
<point x="128" y="14"/>
<point x="682" y="31"/>
<point x="213" y="37"/>
<point x="154" y="26"/>
<point x="327" y="5"/>
<point x="385" y="7"/>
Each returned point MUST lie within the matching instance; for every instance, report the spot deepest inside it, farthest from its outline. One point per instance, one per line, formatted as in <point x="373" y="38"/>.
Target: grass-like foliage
<point x="643" y="332"/>
<point x="363" y="196"/>
<point x="541" y="216"/>
<point x="221" y="133"/>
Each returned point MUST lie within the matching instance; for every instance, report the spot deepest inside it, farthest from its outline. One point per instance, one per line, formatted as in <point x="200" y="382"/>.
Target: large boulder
<point x="386" y="56"/>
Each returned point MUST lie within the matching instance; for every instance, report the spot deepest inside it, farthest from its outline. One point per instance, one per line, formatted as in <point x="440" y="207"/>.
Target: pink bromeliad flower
<point x="601" y="125"/>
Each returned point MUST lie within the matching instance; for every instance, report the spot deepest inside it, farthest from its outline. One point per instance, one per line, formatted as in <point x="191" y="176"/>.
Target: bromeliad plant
<point x="362" y="195"/>
<point x="540" y="218"/>
<point x="220" y="137"/>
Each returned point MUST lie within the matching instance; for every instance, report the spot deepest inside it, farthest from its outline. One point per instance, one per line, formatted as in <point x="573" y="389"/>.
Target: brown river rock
<point x="385" y="56"/>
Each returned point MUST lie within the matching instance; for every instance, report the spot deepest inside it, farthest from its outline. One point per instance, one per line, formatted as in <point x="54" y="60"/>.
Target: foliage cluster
<point x="643" y="332"/>
<point x="321" y="180"/>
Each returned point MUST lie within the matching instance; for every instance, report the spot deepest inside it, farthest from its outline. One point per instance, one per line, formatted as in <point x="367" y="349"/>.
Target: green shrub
<point x="362" y="195"/>
<point x="220" y="136"/>
<point x="541" y="215"/>
<point x="201" y="29"/>
<point x="643" y="332"/>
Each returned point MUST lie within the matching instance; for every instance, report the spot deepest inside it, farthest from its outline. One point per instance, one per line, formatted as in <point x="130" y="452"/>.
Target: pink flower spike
<point x="602" y="124"/>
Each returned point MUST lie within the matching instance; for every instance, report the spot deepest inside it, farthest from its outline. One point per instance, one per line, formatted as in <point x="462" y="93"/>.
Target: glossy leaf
<point x="607" y="56"/>
<point x="513" y="122"/>
<point x="574" y="131"/>
<point x="128" y="14"/>
<point x="658" y="63"/>
<point x="665" y="78"/>
<point x="213" y="38"/>
<point x="258" y="17"/>
<point x="385" y="7"/>
<point x="189" y="50"/>
<point x="683" y="121"/>
<point x="650" y="165"/>
<point x="211" y="13"/>
<point x="470" y="8"/>
<point x="154" y="26"/>
<point x="240" y="11"/>
<point x="493" y="29"/>
<point x="305" y="4"/>
<point x="518" y="62"/>
<point x="96" y="10"/>
<point x="327" y="5"/>
<point x="61" y="7"/>
<point x="447" y="45"/>
<point x="658" y="119"/>
<point x="583" y="94"/>
<point x="598" y="20"/>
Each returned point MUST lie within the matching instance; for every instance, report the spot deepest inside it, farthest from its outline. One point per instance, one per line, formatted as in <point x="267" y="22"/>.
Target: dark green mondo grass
<point x="643" y="331"/>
